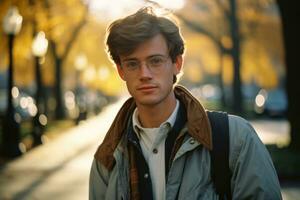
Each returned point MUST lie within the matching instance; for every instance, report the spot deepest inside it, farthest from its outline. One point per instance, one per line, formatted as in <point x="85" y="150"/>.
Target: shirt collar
<point x="169" y="122"/>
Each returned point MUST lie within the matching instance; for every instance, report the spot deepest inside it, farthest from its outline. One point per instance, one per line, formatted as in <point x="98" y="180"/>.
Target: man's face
<point x="148" y="72"/>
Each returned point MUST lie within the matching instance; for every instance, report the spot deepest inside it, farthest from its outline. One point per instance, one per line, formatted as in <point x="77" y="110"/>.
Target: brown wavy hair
<point x="124" y="35"/>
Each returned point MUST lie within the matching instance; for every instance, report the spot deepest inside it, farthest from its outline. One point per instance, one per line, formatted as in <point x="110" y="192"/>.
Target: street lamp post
<point x="12" y="23"/>
<point x="39" y="49"/>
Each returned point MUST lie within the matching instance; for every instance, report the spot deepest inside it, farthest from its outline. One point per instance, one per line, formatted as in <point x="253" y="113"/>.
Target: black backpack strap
<point x="220" y="171"/>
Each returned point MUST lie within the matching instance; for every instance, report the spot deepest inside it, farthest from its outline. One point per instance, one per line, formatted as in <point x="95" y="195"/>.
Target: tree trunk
<point x="234" y="31"/>
<point x="221" y="83"/>
<point x="60" y="108"/>
<point x="60" y="112"/>
<point x="291" y="41"/>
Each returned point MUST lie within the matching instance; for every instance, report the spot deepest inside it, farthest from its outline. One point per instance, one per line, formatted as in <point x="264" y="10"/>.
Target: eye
<point x="131" y="65"/>
<point x="156" y="61"/>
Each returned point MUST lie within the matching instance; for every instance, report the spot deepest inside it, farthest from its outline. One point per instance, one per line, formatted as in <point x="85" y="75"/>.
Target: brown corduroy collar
<point x="197" y="123"/>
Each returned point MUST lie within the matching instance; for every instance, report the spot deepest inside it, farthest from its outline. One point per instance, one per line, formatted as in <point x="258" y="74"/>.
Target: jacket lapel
<point x="197" y="123"/>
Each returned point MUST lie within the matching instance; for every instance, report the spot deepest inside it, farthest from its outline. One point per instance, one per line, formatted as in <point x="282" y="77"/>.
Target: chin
<point x="147" y="101"/>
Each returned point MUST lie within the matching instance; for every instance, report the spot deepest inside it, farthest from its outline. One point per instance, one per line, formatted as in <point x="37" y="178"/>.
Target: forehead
<point x="156" y="45"/>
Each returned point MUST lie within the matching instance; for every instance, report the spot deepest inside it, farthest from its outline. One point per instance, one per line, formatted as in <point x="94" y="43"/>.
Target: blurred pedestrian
<point x="159" y="145"/>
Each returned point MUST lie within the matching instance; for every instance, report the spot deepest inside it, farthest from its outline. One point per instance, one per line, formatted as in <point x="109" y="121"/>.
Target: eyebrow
<point x="135" y="59"/>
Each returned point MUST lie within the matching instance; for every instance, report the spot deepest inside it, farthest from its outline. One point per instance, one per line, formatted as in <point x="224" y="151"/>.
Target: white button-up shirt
<point x="152" y="141"/>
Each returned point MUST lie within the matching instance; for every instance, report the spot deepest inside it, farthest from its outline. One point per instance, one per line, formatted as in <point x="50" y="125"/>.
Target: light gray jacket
<point x="253" y="173"/>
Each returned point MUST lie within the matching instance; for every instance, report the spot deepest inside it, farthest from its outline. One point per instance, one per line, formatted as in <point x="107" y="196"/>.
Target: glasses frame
<point x="154" y="63"/>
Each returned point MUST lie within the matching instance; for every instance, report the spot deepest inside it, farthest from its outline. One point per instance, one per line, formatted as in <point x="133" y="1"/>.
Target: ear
<point x="120" y="72"/>
<point x="178" y="64"/>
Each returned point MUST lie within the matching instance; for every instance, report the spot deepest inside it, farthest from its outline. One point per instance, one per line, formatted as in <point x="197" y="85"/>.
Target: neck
<point x="151" y="116"/>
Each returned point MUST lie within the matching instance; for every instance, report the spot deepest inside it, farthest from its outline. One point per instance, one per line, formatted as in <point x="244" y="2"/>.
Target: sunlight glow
<point x="109" y="10"/>
<point x="103" y="73"/>
<point x="24" y="102"/>
<point x="173" y="5"/>
<point x="39" y="44"/>
<point x="32" y="109"/>
<point x="90" y="73"/>
<point x="81" y="62"/>
<point x="260" y="100"/>
<point x="113" y="9"/>
<point x="15" y="92"/>
<point x="70" y="100"/>
<point x="43" y="119"/>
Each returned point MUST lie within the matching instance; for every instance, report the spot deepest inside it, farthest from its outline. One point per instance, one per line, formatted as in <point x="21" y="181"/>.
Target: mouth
<point x="146" y="88"/>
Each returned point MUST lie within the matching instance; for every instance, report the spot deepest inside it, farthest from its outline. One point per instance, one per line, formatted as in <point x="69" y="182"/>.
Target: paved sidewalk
<point x="60" y="169"/>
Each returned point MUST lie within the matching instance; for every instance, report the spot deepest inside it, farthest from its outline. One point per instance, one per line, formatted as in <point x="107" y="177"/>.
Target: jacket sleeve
<point x="98" y="181"/>
<point x="253" y="173"/>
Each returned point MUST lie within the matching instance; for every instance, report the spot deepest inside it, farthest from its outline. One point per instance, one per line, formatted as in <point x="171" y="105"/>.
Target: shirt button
<point x="146" y="175"/>
<point x="192" y="141"/>
<point x="155" y="151"/>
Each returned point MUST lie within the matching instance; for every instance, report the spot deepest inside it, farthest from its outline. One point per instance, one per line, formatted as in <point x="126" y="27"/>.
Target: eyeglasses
<point x="154" y="63"/>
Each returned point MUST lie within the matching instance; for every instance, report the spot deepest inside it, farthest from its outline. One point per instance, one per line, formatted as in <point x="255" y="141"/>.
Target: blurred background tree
<point x="239" y="44"/>
<point x="234" y="49"/>
<point x="289" y="16"/>
<point x="247" y="40"/>
<point x="71" y="31"/>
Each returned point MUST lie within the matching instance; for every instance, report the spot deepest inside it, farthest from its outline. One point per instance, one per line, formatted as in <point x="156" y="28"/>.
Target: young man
<point x="158" y="145"/>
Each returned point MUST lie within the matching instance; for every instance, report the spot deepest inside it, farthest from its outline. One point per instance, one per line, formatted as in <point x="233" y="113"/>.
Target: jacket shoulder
<point x="250" y="162"/>
<point x="242" y="137"/>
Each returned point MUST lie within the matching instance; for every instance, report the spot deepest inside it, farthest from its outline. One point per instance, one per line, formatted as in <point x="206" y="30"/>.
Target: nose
<point x="145" y="72"/>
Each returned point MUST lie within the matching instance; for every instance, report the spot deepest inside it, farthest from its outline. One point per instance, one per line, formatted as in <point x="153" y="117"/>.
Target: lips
<point x="146" y="88"/>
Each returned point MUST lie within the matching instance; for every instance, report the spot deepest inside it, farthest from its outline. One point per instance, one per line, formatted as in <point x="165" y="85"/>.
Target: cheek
<point x="130" y="85"/>
<point x="129" y="89"/>
<point x="165" y="78"/>
<point x="128" y="78"/>
<point x="170" y="74"/>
